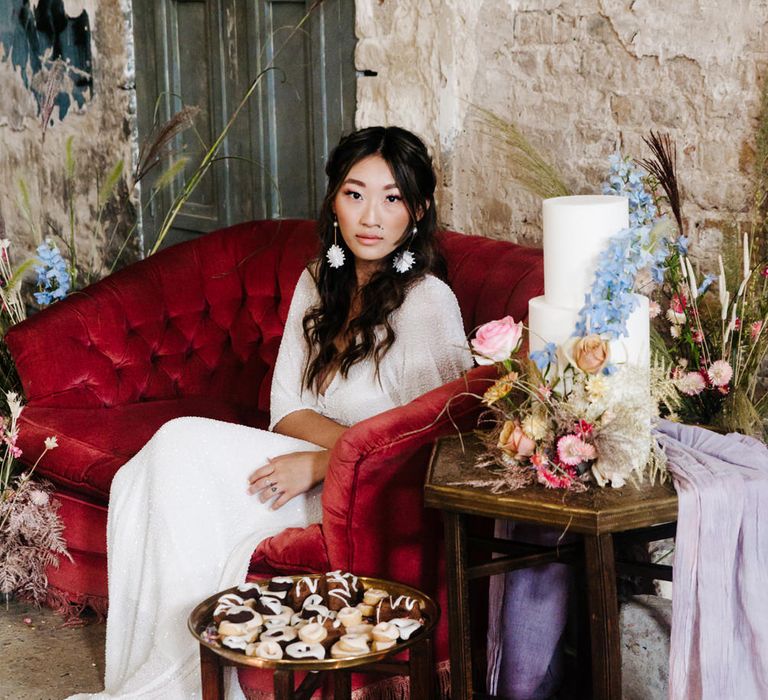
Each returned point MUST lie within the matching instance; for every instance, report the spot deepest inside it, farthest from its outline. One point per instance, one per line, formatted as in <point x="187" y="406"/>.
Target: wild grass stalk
<point x="528" y="167"/>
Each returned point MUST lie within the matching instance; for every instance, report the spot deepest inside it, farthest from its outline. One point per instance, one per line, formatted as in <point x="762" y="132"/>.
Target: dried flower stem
<point x="663" y="166"/>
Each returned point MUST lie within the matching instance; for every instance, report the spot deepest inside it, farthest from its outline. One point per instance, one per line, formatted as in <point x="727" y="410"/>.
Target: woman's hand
<point x="288" y="475"/>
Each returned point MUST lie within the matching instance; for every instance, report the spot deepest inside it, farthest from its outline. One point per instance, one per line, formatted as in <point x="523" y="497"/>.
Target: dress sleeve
<point x="433" y="349"/>
<point x="287" y="394"/>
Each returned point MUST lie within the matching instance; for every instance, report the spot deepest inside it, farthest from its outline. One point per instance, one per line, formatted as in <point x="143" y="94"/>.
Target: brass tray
<point x="202" y="616"/>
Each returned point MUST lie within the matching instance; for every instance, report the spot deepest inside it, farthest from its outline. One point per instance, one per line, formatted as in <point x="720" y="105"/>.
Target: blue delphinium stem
<point x="53" y="280"/>
<point x="610" y="301"/>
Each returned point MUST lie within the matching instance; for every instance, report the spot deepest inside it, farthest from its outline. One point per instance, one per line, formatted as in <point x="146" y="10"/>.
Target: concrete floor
<point x="40" y="659"/>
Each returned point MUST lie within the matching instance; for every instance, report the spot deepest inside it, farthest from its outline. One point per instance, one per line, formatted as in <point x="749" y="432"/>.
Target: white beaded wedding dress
<point x="181" y="524"/>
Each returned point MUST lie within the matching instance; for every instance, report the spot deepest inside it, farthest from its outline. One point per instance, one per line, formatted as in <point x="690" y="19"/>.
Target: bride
<point x="370" y="327"/>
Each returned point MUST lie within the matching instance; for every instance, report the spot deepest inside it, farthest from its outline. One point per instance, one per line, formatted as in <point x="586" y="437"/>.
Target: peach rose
<point x="590" y="353"/>
<point x="497" y="340"/>
<point x="515" y="442"/>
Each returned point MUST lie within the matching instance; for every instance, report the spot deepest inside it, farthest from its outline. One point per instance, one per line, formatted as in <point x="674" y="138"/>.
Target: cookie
<point x="265" y="650"/>
<point x="238" y="621"/>
<point x="282" y="635"/>
<point x="305" y="587"/>
<point x="350" y="645"/>
<point x="403" y="606"/>
<point x="302" y="650"/>
<point x="406" y="626"/>
<point x="349" y="617"/>
<point x="313" y="633"/>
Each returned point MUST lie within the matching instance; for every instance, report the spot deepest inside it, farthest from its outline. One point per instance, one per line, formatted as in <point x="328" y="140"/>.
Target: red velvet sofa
<point x="195" y="330"/>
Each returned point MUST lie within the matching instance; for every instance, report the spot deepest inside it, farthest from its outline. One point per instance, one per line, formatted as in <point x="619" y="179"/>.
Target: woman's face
<point x="371" y="213"/>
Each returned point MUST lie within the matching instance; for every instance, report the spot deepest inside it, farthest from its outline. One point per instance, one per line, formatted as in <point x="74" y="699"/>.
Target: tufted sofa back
<point x="205" y="318"/>
<point x="202" y="318"/>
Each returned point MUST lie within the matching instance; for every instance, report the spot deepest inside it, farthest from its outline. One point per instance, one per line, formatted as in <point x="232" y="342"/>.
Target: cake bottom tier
<point x="555" y="324"/>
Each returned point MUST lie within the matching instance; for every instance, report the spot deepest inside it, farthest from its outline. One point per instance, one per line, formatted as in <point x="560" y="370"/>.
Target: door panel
<point x="207" y="53"/>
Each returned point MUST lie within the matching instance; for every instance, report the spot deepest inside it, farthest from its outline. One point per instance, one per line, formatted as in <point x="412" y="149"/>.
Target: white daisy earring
<point x="405" y="259"/>
<point x="335" y="254"/>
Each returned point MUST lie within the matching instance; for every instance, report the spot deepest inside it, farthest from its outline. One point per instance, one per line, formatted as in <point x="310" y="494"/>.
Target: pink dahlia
<point x="572" y="450"/>
<point x="754" y="330"/>
<point x="691" y="383"/>
<point x="698" y="337"/>
<point x="654" y="309"/>
<point x="720" y="373"/>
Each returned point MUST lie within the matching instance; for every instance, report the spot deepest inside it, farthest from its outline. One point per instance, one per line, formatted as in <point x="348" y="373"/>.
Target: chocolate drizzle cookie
<point x="343" y="590"/>
<point x="403" y="606"/>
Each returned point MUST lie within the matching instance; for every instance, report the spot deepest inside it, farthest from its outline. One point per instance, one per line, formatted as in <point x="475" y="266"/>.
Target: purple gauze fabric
<point x="528" y="609"/>
<point x="719" y="644"/>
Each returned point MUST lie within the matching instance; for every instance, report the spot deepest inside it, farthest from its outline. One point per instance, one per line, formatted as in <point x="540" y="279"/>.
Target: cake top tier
<point x="576" y="230"/>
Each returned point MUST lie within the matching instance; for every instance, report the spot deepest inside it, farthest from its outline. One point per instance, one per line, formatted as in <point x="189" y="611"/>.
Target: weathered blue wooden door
<point x="206" y="53"/>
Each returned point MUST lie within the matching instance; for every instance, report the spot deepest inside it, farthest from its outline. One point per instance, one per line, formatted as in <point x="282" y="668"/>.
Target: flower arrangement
<point x="711" y="328"/>
<point x="570" y="416"/>
<point x="30" y="529"/>
<point x="566" y="417"/>
<point x="708" y="327"/>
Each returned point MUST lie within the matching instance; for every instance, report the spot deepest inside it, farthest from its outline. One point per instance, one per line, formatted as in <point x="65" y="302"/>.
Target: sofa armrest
<point x="373" y="498"/>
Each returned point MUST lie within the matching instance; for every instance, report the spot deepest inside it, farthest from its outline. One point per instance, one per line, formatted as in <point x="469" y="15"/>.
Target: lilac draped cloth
<point x="719" y="644"/>
<point x="528" y="609"/>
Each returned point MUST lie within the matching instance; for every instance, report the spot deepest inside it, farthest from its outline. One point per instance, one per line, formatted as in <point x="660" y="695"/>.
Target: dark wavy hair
<point x="386" y="289"/>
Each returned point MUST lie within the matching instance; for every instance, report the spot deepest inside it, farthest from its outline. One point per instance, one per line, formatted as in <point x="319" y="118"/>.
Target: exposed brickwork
<point x="580" y="78"/>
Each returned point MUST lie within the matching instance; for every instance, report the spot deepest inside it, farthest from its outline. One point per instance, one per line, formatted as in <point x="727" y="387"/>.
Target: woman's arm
<point x="309" y="425"/>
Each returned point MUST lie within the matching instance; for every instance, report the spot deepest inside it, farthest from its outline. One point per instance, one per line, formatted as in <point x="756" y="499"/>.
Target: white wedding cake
<point x="576" y="230"/>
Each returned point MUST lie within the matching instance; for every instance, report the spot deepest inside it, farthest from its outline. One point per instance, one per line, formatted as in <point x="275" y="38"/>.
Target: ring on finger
<point x="274" y="489"/>
<point x="269" y="483"/>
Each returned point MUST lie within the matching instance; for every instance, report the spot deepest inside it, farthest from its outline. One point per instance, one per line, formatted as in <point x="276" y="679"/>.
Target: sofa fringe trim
<point x="394" y="688"/>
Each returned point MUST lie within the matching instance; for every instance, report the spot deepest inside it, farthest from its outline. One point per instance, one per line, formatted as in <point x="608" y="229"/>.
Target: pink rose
<point x="515" y="442"/>
<point x="497" y="340"/>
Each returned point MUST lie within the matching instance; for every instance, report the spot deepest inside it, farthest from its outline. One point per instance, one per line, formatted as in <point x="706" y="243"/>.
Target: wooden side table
<point x="640" y="515"/>
<point x="419" y="666"/>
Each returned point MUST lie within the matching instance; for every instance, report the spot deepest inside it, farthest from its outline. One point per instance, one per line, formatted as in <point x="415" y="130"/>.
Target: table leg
<point x="342" y="685"/>
<point x="603" y="617"/>
<point x="283" y="684"/>
<point x="421" y="669"/>
<point x="211" y="674"/>
<point x="458" y="606"/>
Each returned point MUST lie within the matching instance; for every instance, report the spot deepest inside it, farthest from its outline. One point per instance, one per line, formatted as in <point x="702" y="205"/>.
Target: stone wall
<point x="580" y="78"/>
<point x="94" y="103"/>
